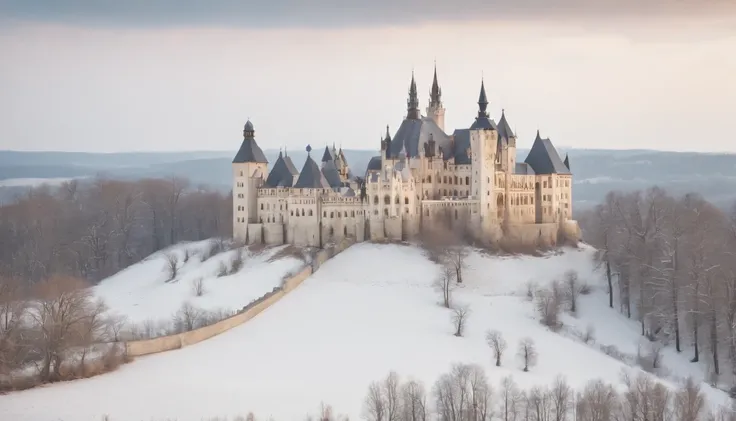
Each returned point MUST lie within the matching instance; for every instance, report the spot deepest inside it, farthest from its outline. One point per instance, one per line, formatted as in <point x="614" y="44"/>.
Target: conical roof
<point x="311" y="177"/>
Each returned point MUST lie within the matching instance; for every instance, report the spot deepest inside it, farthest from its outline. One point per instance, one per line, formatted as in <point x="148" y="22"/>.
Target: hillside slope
<point x="367" y="311"/>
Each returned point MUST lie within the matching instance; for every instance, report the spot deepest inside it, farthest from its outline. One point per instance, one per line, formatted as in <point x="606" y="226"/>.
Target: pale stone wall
<point x="255" y="233"/>
<point x="273" y="234"/>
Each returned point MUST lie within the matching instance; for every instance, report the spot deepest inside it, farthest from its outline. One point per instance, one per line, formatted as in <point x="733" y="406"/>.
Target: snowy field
<point x="369" y="310"/>
<point x="33" y="182"/>
<point x="142" y="292"/>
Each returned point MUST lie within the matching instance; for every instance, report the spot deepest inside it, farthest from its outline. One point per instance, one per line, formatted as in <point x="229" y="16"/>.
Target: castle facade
<point x="469" y="180"/>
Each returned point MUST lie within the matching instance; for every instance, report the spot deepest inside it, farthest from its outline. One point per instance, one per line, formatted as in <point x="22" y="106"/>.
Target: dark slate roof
<point x="413" y="134"/>
<point x="374" y="164"/>
<point x="544" y="159"/>
<point x="483" y="122"/>
<point x="311" y="177"/>
<point x="523" y="168"/>
<point x="462" y="144"/>
<point x="329" y="170"/>
<point x="290" y="165"/>
<point x="250" y="152"/>
<point x="327" y="156"/>
<point x="349" y="192"/>
<point x="504" y="130"/>
<point x="567" y="161"/>
<point x="281" y="175"/>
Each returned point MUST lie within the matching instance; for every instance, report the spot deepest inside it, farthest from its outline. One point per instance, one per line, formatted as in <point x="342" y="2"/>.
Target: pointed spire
<point x="482" y="100"/>
<point x="567" y="161"/>
<point x="412" y="104"/>
<point x="388" y="134"/>
<point x="538" y="136"/>
<point x="435" y="95"/>
<point x="248" y="131"/>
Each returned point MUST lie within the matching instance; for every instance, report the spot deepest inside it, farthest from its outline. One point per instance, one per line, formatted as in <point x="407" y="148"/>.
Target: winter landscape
<point x="370" y="310"/>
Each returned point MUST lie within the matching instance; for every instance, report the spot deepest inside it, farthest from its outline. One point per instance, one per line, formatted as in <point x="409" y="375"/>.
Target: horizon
<point x="158" y="76"/>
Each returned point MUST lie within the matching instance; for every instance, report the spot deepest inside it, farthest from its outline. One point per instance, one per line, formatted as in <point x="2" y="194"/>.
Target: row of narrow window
<point x="450" y="179"/>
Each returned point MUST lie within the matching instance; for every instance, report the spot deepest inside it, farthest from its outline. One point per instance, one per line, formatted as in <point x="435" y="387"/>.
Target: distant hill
<point x="596" y="171"/>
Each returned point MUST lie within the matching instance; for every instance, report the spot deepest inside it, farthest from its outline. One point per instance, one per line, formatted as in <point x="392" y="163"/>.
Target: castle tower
<point x="412" y="104"/>
<point x="435" y="110"/>
<point x="506" y="144"/>
<point x="483" y="144"/>
<point x="250" y="168"/>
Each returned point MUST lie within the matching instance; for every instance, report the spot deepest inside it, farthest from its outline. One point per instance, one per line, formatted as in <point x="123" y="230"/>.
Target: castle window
<point x="426" y="212"/>
<point x="396" y="200"/>
<point x="261" y="206"/>
<point x="375" y="200"/>
<point x="467" y="180"/>
<point x="324" y="214"/>
<point x="332" y="214"/>
<point x="429" y="178"/>
<point x="455" y="181"/>
<point x="302" y="212"/>
<point x="455" y="213"/>
<point x="352" y="214"/>
<point x="241" y="173"/>
<point x="310" y="213"/>
<point x="444" y="192"/>
<point x="544" y="184"/>
<point x="345" y="231"/>
<point x="406" y="200"/>
<point x="385" y="212"/>
<point x="386" y="200"/>
<point x="407" y="210"/>
<point x="454" y="193"/>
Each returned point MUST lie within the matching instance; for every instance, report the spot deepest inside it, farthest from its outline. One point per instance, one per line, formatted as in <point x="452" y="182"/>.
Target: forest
<point x="669" y="264"/>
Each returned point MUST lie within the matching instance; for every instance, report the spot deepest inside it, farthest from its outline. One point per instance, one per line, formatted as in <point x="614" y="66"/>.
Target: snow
<point x="141" y="292"/>
<point x="33" y="182"/>
<point x="369" y="310"/>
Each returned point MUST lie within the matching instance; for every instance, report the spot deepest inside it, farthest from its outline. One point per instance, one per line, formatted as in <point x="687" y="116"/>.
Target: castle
<point x="469" y="180"/>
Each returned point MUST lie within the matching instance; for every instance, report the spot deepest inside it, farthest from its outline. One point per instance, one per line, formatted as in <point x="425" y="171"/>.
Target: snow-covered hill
<point x="369" y="310"/>
<point x="143" y="292"/>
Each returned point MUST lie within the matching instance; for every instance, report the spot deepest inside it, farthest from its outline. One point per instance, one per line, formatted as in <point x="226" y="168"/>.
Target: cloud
<point x="336" y="13"/>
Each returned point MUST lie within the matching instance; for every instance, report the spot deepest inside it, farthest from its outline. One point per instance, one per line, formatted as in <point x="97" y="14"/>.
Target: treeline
<point x="91" y="230"/>
<point x="670" y="264"/>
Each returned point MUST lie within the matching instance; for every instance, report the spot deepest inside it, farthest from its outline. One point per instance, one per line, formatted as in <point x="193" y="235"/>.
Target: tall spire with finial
<point x="482" y="100"/>
<point x="435" y="94"/>
<point x="412" y="104"/>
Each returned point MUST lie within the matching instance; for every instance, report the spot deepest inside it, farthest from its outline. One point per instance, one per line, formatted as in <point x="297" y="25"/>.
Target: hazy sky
<point x="108" y="75"/>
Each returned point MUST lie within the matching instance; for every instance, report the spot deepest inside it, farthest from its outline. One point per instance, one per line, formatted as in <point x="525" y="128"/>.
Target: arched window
<point x="406" y="200"/>
<point x="385" y="212"/>
<point x="310" y="213"/>
<point x="396" y="200"/>
<point x="332" y="214"/>
<point x="352" y="214"/>
<point x="375" y="200"/>
<point x="292" y="213"/>
<point x="345" y="231"/>
<point x="454" y="193"/>
<point x="467" y="180"/>
<point x="429" y="178"/>
<point x="386" y="200"/>
<point x="455" y="180"/>
<point x="444" y="192"/>
<point x="407" y="210"/>
<point x="261" y="206"/>
<point x="324" y="214"/>
<point x="302" y="211"/>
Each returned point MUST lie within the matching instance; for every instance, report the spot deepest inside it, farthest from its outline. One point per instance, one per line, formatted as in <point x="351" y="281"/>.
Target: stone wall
<point x="171" y="342"/>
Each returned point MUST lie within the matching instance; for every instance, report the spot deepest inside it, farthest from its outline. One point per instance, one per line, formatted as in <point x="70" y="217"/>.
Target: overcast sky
<point x="108" y="75"/>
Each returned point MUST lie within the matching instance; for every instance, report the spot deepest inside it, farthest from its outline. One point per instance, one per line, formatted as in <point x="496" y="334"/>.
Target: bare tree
<point x="572" y="290"/>
<point x="460" y="316"/>
<point x="495" y="340"/>
<point x="172" y="266"/>
<point x="527" y="353"/>
<point x="236" y="263"/>
<point x="597" y="402"/>
<point x="374" y="406"/>
<point x="562" y="396"/>
<point x="414" y="402"/>
<point x="549" y="305"/>
<point x="689" y="402"/>
<point x="13" y="310"/>
<point x="383" y="402"/>
<point x="198" y="286"/>
<point x="445" y="285"/>
<point x="510" y="400"/>
<point x="187" y="318"/>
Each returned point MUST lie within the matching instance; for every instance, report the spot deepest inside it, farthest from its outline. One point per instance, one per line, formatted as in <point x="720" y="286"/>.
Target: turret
<point x="412" y="104"/>
<point x="435" y="110"/>
<point x="250" y="167"/>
